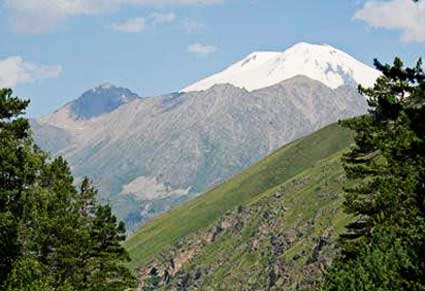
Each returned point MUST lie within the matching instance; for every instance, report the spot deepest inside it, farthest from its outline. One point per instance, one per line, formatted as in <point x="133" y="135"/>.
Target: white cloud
<point x="38" y="16"/>
<point x="192" y="26"/>
<point x="404" y="15"/>
<point x="131" y="25"/>
<point x="139" y="24"/>
<point x="170" y="2"/>
<point x="201" y="49"/>
<point x="162" y="18"/>
<point x="15" y="71"/>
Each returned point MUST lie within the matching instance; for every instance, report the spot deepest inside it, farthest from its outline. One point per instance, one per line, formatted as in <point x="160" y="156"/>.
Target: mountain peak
<point x="102" y="99"/>
<point x="323" y="63"/>
<point x="304" y="44"/>
<point x="104" y="86"/>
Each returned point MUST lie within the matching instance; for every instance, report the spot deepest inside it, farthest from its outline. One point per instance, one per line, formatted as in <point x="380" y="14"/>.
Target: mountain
<point x="51" y="132"/>
<point x="322" y="63"/>
<point x="95" y="102"/>
<point x="271" y="227"/>
<point x="150" y="154"/>
<point x="100" y="100"/>
<point x="50" y="138"/>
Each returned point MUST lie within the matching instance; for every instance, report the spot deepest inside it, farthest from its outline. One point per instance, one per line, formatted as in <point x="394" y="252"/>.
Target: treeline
<point x="53" y="236"/>
<point x="384" y="247"/>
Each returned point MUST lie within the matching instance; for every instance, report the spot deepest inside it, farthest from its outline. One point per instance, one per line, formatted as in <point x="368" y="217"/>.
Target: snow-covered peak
<point x="323" y="63"/>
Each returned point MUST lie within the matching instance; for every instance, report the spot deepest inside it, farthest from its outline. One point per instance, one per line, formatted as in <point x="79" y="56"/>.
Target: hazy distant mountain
<point x="50" y="138"/>
<point x="52" y="131"/>
<point x="148" y="154"/>
<point x="100" y="100"/>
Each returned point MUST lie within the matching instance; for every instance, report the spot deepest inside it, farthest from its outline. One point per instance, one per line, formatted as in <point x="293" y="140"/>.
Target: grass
<point x="312" y="203"/>
<point x="291" y="160"/>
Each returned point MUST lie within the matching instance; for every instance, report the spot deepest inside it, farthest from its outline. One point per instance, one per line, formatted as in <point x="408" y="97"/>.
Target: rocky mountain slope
<point x="272" y="227"/>
<point x="149" y="154"/>
<point x="56" y="132"/>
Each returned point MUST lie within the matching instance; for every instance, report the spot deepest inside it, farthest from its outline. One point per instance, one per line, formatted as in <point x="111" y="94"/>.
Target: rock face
<point x="178" y="145"/>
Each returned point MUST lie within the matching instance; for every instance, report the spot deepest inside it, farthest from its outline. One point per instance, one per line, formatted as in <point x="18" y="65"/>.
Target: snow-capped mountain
<point x="323" y="63"/>
<point x="148" y="154"/>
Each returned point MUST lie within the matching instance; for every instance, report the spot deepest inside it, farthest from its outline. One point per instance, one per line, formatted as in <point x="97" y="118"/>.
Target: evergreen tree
<point x="18" y="167"/>
<point x="384" y="248"/>
<point x="52" y="236"/>
<point x="105" y="250"/>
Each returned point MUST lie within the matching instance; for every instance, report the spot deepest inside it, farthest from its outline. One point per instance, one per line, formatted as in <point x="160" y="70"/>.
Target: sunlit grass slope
<point x="281" y="240"/>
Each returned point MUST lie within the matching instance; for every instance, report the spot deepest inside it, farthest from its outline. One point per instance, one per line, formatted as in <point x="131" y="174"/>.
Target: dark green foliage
<point x="386" y="263"/>
<point x="152" y="283"/>
<point x="29" y="275"/>
<point x="17" y="171"/>
<point x="52" y="236"/>
<point x="384" y="248"/>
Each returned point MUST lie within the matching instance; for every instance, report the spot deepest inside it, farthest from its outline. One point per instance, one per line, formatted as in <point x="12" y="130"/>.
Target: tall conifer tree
<point x="52" y="236"/>
<point x="384" y="247"/>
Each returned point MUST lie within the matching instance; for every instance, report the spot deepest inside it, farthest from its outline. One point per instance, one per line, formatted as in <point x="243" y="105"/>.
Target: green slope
<point x="282" y="240"/>
<point x="163" y="232"/>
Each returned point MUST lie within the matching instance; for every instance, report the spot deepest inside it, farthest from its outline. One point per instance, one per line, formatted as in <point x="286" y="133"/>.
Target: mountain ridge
<point x="185" y="143"/>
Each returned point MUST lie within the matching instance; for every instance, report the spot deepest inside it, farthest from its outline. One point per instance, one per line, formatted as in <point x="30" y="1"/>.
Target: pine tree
<point x="52" y="236"/>
<point x="384" y="248"/>
<point x="18" y="167"/>
<point x="105" y="251"/>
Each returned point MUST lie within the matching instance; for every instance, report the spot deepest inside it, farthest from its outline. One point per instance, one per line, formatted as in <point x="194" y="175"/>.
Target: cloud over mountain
<point x="38" y="16"/>
<point x="15" y="71"/>
<point x="201" y="49"/>
<point x="162" y="18"/>
<point x="131" y="25"/>
<point x="139" y="24"/>
<point x="192" y="26"/>
<point x="404" y="15"/>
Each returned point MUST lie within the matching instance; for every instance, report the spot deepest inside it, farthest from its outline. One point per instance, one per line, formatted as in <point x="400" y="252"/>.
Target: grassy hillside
<point x="281" y="240"/>
<point x="164" y="232"/>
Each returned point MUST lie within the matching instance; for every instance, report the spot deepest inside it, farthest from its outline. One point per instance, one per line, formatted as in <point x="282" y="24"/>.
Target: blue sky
<point x="53" y="50"/>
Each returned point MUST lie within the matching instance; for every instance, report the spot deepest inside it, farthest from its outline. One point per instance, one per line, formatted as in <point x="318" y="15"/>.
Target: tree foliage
<point x="153" y="281"/>
<point x="52" y="235"/>
<point x="384" y="248"/>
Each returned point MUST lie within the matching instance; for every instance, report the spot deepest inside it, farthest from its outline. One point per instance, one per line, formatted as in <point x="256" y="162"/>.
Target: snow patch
<point x="149" y="188"/>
